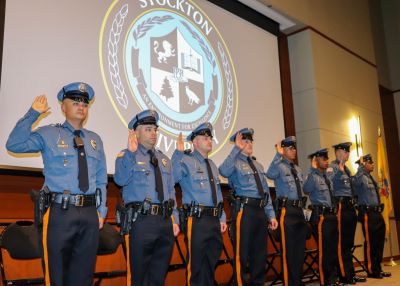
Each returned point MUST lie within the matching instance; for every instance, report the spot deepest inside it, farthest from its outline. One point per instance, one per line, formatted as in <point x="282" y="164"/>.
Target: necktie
<point x="256" y="177"/>
<point x="376" y="188"/>
<point x="328" y="183"/>
<point x="347" y="171"/>
<point x="296" y="180"/>
<point x="212" y="183"/>
<point x="83" y="178"/>
<point x="157" y="173"/>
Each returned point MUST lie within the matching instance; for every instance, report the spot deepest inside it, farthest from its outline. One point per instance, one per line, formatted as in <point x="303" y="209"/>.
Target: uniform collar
<point x="284" y="159"/>
<point x="144" y="150"/>
<point x="68" y="126"/>
<point x="198" y="155"/>
<point x="361" y="169"/>
<point x="316" y="171"/>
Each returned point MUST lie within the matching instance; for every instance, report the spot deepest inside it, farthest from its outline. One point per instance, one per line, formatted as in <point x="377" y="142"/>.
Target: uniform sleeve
<point x="336" y="174"/>
<point x="273" y="170"/>
<point x="309" y="184"/>
<point x="228" y="166"/>
<point x="101" y="181"/>
<point x="359" y="182"/>
<point x="171" y="190"/>
<point x="124" y="167"/>
<point x="269" y="209"/>
<point x="178" y="167"/>
<point x="22" y="139"/>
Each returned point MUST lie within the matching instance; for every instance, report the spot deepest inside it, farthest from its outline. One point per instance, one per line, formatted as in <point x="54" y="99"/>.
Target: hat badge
<point x="82" y="87"/>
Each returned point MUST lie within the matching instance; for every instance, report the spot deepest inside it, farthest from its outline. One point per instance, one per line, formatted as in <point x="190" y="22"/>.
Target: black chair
<point x="20" y="240"/>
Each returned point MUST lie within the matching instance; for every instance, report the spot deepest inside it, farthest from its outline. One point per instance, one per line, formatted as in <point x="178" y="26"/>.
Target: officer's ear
<point x="63" y="106"/>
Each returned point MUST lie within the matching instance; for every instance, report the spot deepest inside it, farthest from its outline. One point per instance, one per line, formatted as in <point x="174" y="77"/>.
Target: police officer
<point x="251" y="209"/>
<point x="369" y="214"/>
<point x="145" y="175"/>
<point x="202" y="205"/>
<point x="74" y="168"/>
<point x="323" y="218"/>
<point x="344" y="194"/>
<point x="289" y="180"/>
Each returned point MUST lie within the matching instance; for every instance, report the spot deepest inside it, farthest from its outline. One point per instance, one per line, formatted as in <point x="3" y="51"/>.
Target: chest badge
<point x="164" y="162"/>
<point x="94" y="144"/>
<point x="61" y="144"/>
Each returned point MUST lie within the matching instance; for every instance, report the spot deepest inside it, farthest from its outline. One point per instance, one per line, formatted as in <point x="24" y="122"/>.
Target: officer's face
<point x="203" y="143"/>
<point x="290" y="152"/>
<point x="369" y="167"/>
<point x="74" y="110"/>
<point x="342" y="155"/>
<point x="147" y="135"/>
<point x="322" y="163"/>
<point x="248" y="147"/>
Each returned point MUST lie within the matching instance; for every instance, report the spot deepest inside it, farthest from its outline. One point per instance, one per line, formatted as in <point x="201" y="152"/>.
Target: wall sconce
<point x="355" y="131"/>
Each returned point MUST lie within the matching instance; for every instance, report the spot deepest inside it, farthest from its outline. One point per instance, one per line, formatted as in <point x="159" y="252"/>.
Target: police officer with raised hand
<point x="150" y="215"/>
<point x="370" y="216"/>
<point x="251" y="210"/>
<point x="202" y="210"/>
<point x="74" y="189"/>
<point x="288" y="179"/>
<point x="323" y="218"/>
<point x="344" y="194"/>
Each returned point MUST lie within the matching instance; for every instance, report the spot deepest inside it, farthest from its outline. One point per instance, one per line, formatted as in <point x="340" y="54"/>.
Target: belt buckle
<point x="79" y="199"/>
<point x="154" y="209"/>
<point x="215" y="211"/>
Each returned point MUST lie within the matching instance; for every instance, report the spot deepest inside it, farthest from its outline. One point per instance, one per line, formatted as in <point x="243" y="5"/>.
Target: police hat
<point x="320" y="153"/>
<point x="343" y="146"/>
<point x="365" y="158"/>
<point x="76" y="90"/>
<point x="146" y="117"/>
<point x="203" y="129"/>
<point x="289" y="142"/>
<point x="247" y="133"/>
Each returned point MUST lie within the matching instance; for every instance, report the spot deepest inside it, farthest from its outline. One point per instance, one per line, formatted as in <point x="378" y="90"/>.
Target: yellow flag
<point x="384" y="184"/>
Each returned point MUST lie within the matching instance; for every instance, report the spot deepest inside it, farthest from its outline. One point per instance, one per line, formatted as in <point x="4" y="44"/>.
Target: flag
<point x="384" y="184"/>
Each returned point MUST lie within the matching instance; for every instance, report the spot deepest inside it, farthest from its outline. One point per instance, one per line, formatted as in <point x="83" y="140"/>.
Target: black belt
<point x="253" y="202"/>
<point x="368" y="208"/>
<point x="200" y="210"/>
<point x="209" y="211"/>
<point x="75" y="200"/>
<point x="321" y="209"/>
<point x="347" y="201"/>
<point x="283" y="202"/>
<point x="152" y="209"/>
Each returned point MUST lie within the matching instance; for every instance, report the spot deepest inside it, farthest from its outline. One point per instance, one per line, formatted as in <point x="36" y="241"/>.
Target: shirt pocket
<point x="141" y="174"/>
<point x="63" y="160"/>
<point x="200" y="181"/>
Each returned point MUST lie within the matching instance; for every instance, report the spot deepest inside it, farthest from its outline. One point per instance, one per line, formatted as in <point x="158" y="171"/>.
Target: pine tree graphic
<point x="166" y="89"/>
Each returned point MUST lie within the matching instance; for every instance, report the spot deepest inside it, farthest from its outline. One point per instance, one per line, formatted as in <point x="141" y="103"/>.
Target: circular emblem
<point x="168" y="56"/>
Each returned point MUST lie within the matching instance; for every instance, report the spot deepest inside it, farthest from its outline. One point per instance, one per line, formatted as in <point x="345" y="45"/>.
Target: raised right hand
<point x="239" y="141"/>
<point x="314" y="162"/>
<point x="180" y="146"/>
<point x="132" y="141"/>
<point x="40" y="104"/>
<point x="279" y="148"/>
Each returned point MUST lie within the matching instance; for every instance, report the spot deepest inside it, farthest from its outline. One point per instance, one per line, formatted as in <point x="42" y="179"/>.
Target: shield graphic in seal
<point x="177" y="72"/>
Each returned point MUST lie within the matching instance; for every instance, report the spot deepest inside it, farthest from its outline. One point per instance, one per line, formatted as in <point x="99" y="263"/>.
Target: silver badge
<point x="82" y="87"/>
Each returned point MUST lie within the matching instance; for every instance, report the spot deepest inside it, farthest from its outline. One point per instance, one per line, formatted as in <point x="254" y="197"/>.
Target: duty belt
<point x="75" y="200"/>
<point x="284" y="202"/>
<point x="321" y="209"/>
<point x="347" y="201"/>
<point x="201" y="210"/>
<point x="368" y="208"/>
<point x="153" y="209"/>
<point x="253" y="202"/>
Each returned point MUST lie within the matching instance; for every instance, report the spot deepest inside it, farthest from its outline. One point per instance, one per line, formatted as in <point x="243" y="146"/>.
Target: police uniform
<point x="369" y="215"/>
<point x="150" y="239"/>
<point x="70" y="231"/>
<point x="323" y="220"/>
<point x="288" y="179"/>
<point x="347" y="216"/>
<point x="251" y="210"/>
<point x="203" y="213"/>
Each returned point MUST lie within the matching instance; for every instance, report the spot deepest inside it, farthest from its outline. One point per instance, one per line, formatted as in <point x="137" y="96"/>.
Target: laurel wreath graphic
<point x="146" y="25"/>
<point x="229" y="90"/>
<point x="203" y="46"/>
<point x="113" y="40"/>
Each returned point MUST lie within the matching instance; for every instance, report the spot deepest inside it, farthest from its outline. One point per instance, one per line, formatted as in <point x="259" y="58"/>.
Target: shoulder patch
<point x="121" y="154"/>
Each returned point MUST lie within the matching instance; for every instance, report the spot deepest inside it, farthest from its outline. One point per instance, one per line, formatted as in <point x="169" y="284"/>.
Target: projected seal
<point x="168" y="56"/>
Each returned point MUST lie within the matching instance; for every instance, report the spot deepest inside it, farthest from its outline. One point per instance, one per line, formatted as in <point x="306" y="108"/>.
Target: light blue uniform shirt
<point x="285" y="185"/>
<point x="241" y="178"/>
<point x="341" y="181"/>
<point x="190" y="171"/>
<point x="317" y="189"/>
<point x="365" y="188"/>
<point x="60" y="158"/>
<point x="135" y="174"/>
